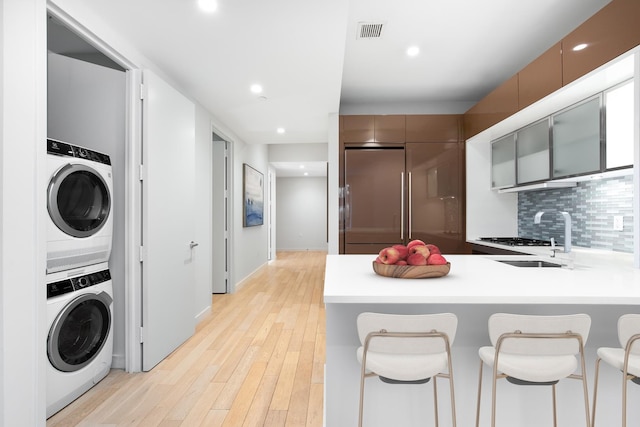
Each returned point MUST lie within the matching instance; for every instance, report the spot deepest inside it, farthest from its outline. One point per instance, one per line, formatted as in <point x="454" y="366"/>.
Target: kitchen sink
<point x="529" y="263"/>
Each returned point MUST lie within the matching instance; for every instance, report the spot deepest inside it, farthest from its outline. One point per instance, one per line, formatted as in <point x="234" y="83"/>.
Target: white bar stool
<point x="535" y="350"/>
<point x="626" y="360"/>
<point x="405" y="349"/>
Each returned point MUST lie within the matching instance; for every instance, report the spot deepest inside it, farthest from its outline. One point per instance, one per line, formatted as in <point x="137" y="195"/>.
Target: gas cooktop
<point x="516" y="241"/>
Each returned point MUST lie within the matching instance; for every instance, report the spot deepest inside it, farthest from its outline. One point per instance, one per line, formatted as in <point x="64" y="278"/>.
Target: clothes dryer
<point x="80" y="338"/>
<point x="79" y="202"/>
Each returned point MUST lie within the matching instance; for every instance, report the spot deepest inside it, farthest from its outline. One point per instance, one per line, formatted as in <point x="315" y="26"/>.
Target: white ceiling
<point x="306" y="56"/>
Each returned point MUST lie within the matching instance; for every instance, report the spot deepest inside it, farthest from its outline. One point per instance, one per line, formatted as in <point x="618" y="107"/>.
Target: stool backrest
<point x="502" y="323"/>
<point x="446" y="323"/>
<point x="628" y="326"/>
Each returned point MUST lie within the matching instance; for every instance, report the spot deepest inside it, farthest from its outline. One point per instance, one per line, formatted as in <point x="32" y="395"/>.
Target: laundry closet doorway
<point x="154" y="295"/>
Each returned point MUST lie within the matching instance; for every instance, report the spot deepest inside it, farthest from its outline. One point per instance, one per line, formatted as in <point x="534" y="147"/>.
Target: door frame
<point x="229" y="259"/>
<point x="133" y="188"/>
<point x="271" y="214"/>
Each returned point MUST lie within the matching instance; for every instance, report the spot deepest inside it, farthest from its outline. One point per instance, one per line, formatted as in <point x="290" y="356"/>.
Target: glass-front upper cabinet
<point x="503" y="162"/>
<point x="577" y="139"/>
<point x="532" y="151"/>
<point x="619" y="126"/>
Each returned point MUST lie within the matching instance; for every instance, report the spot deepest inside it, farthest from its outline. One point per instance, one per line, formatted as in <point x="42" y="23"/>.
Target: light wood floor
<point x="257" y="360"/>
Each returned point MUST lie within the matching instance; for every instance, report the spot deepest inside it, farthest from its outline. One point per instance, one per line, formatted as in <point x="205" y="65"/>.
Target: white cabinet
<point x="576" y="139"/>
<point x="503" y="162"/>
<point x="533" y="152"/>
<point x="619" y="126"/>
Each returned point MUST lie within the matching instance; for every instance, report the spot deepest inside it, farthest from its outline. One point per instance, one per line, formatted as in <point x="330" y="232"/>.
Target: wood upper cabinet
<point x="357" y="129"/>
<point x="608" y="34"/>
<point x="541" y="77"/>
<point x="434" y="128"/>
<point x="493" y="108"/>
<point x="389" y="128"/>
<point x="383" y="128"/>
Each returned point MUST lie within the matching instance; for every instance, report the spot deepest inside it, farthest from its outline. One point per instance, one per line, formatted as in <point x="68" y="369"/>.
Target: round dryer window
<point x="79" y="332"/>
<point x="78" y="200"/>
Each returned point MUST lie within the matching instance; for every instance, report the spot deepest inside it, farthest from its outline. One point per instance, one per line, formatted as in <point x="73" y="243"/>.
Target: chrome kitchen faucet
<point x="567" y="227"/>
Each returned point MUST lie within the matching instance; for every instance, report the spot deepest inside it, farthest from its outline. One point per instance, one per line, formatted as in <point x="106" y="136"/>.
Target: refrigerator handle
<point x="401" y="206"/>
<point x="409" y="196"/>
<point x="347" y="207"/>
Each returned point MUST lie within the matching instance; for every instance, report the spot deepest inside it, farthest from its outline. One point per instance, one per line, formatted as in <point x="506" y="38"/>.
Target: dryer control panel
<point x="76" y="283"/>
<point x="61" y="148"/>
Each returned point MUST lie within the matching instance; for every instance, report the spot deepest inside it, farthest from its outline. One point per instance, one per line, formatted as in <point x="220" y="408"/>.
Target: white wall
<point x="298" y="152"/>
<point x="452" y="107"/>
<point x="333" y="198"/>
<point x="22" y="208"/>
<point x="250" y="249"/>
<point x="301" y="213"/>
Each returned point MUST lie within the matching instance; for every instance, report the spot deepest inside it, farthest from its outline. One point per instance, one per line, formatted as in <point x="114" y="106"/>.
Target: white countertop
<point x="479" y="279"/>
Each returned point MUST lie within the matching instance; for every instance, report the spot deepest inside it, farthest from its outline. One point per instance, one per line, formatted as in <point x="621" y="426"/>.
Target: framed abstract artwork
<point x="253" y="192"/>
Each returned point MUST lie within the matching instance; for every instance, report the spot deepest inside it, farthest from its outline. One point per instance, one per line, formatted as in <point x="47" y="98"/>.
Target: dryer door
<point x="78" y="200"/>
<point x="79" y="332"/>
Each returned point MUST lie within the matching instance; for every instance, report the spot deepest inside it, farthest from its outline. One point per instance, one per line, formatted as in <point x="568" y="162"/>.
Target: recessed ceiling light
<point x="256" y="88"/>
<point x="301" y="166"/>
<point x="208" y="5"/>
<point x="306" y="174"/>
<point x="413" y="51"/>
<point x="579" y="47"/>
<point x="280" y="130"/>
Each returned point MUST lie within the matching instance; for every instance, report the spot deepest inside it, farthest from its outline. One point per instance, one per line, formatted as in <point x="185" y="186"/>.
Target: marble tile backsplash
<point x="592" y="206"/>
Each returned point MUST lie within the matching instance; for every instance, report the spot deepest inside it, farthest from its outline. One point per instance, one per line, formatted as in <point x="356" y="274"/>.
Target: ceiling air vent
<point x="369" y="30"/>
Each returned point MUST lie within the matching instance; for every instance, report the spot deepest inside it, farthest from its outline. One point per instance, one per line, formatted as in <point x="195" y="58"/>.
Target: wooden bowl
<point x="411" y="271"/>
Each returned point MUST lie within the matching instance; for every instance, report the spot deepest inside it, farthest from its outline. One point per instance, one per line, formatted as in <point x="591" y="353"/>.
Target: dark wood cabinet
<point x="389" y="129"/>
<point x="541" y="77"/>
<point x="434" y="128"/>
<point x="609" y="33"/>
<point x="374" y="199"/>
<point x="366" y="129"/>
<point x="357" y="129"/>
<point x="435" y="203"/>
<point x="393" y="192"/>
<point x="493" y="108"/>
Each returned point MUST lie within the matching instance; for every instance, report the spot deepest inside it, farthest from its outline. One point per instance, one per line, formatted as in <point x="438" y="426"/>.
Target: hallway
<point x="257" y="360"/>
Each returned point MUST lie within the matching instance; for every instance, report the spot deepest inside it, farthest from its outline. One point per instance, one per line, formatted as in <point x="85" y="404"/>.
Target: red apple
<point x="420" y="249"/>
<point x="433" y="248"/>
<point x="389" y="255"/>
<point x="414" y="243"/>
<point x="416" y="259"/>
<point x="402" y="249"/>
<point x="401" y="262"/>
<point x="378" y="260"/>
<point x="436" y="259"/>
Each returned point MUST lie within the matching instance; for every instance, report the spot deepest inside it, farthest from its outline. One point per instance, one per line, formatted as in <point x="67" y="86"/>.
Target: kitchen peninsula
<point x="476" y="287"/>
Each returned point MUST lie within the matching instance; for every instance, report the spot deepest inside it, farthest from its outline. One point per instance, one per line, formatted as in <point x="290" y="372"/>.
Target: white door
<point x="168" y="285"/>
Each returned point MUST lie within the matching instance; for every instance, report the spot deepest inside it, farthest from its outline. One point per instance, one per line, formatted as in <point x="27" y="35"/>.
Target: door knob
<point x="193" y="244"/>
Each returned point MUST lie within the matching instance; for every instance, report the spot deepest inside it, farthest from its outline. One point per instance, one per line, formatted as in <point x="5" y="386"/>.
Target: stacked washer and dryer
<point x="79" y="287"/>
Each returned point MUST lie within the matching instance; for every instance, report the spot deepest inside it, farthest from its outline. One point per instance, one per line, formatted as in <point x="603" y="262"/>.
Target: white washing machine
<point x="79" y="201"/>
<point x="80" y="339"/>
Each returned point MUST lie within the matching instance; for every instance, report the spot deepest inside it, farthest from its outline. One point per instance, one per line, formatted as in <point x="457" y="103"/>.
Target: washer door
<point x="79" y="332"/>
<point x="78" y="200"/>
